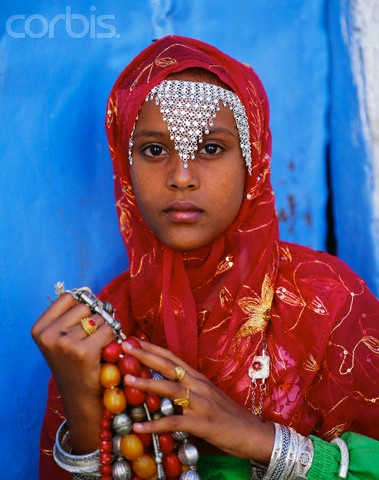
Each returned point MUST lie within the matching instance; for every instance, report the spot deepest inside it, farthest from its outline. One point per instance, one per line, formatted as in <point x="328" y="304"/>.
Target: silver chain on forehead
<point x="189" y="108"/>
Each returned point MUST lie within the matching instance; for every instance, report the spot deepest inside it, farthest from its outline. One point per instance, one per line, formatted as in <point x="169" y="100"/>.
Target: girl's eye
<point x="211" y="149"/>
<point x="153" y="150"/>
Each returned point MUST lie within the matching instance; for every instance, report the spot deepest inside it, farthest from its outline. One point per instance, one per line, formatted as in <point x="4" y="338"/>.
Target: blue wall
<point x="58" y="219"/>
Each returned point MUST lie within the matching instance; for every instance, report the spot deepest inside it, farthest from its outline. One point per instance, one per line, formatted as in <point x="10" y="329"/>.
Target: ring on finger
<point x="89" y="325"/>
<point x="179" y="373"/>
<point x="183" y="402"/>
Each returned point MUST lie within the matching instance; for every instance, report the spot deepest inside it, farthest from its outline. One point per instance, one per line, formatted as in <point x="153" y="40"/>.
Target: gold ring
<point x="183" y="402"/>
<point x="179" y="372"/>
<point x="89" y="325"/>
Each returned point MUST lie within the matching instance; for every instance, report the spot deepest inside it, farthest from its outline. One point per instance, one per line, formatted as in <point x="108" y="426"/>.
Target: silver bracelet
<point x="291" y="457"/>
<point x="344" y="465"/>
<point x="83" y="467"/>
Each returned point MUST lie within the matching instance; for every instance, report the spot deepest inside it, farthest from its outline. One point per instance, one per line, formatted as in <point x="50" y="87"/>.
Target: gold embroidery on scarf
<point x="202" y="316"/>
<point x="285" y="254"/>
<point x="369" y="341"/>
<point x="160" y="61"/>
<point x="226" y="300"/>
<point x="164" y="62"/>
<point x="149" y="257"/>
<point x="317" y="306"/>
<point x="257" y="309"/>
<point x="177" y="306"/>
<point x="225" y="265"/>
<point x="311" y="364"/>
<point x="127" y="190"/>
<point x="48" y="452"/>
<point x="252" y="192"/>
<point x="124" y="219"/>
<point x="111" y="112"/>
<point x="289" y="297"/>
<point x="372" y="343"/>
<point x="335" y="432"/>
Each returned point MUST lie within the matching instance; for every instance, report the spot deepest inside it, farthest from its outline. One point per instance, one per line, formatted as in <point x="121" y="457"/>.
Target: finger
<point x="159" y="359"/>
<point x="102" y="337"/>
<point x="61" y="325"/>
<point x="172" y="423"/>
<point x="59" y="307"/>
<point x="163" y="388"/>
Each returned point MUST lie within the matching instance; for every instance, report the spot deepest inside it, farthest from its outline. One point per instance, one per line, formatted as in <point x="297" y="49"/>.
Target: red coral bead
<point x="105" y="435"/>
<point x="105" y="458"/>
<point x="129" y="364"/>
<point x="105" y="423"/>
<point x="111" y="353"/>
<point x="153" y="402"/>
<point x="106" y="469"/>
<point x="105" y="446"/>
<point x="172" y="465"/>
<point x="134" y="396"/>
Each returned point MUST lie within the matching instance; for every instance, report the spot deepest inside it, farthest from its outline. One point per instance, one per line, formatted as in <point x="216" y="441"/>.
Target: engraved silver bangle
<point x="258" y="471"/>
<point x="83" y="467"/>
<point x="344" y="464"/>
<point x="291" y="457"/>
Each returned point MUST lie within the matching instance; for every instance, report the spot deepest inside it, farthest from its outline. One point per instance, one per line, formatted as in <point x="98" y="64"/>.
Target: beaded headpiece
<point x="189" y="108"/>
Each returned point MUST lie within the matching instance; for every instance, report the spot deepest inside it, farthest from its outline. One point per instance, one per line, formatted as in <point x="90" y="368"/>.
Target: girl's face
<point x="187" y="208"/>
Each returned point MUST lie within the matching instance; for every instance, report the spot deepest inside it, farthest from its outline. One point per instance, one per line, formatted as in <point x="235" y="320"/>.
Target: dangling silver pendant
<point x="260" y="367"/>
<point x="259" y="371"/>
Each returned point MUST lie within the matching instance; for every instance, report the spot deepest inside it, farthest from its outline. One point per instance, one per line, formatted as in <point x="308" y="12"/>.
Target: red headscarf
<point x="179" y="300"/>
<point x="216" y="307"/>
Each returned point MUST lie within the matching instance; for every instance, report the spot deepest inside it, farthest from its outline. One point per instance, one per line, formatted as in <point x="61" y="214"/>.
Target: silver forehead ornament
<point x="189" y="108"/>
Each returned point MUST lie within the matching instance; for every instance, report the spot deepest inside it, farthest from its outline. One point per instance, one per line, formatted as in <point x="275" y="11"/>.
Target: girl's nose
<point x="182" y="175"/>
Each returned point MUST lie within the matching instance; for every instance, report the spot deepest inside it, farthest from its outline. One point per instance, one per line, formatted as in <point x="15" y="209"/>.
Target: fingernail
<point x="126" y="346"/>
<point x="129" y="378"/>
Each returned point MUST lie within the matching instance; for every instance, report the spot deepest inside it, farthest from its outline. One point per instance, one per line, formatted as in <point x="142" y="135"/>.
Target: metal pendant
<point x="260" y="367"/>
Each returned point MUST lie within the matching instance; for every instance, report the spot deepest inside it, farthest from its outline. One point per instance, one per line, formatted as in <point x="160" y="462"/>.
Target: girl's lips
<point x="183" y="212"/>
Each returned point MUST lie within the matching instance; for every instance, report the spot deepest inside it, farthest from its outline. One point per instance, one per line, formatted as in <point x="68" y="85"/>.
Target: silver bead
<point x="122" y="424"/>
<point x="190" y="475"/>
<point x="116" y="442"/>
<point x="180" y="436"/>
<point x="167" y="408"/>
<point x="121" y="470"/>
<point x="156" y="415"/>
<point x="108" y="307"/>
<point x="138" y="414"/>
<point x="188" y="454"/>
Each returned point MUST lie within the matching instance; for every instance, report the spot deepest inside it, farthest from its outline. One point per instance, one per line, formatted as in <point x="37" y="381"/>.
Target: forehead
<point x="150" y="117"/>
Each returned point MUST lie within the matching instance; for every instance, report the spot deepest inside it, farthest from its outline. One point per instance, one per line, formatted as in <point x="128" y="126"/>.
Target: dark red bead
<point x="105" y="423"/>
<point x="105" y="435"/>
<point x="106" y="469"/>
<point x="105" y="446"/>
<point x="105" y="458"/>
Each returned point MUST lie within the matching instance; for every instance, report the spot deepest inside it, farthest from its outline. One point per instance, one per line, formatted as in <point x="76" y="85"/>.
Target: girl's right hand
<point x="74" y="359"/>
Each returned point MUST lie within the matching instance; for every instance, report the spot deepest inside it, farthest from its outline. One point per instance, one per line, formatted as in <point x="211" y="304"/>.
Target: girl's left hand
<point x="210" y="415"/>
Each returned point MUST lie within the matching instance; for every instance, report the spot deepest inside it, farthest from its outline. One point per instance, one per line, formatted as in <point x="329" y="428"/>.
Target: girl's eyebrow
<point x="221" y="130"/>
<point x="151" y="133"/>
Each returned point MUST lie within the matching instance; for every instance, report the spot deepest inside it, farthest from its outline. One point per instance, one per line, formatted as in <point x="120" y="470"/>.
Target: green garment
<point x="363" y="464"/>
<point x="363" y="461"/>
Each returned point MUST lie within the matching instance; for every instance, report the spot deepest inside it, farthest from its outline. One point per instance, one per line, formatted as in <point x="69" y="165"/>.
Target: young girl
<point x="271" y="349"/>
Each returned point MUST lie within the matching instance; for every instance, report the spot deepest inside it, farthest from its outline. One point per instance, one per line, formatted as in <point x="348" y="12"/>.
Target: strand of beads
<point x="125" y="455"/>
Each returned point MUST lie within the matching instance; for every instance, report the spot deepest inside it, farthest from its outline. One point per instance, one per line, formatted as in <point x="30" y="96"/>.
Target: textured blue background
<point x="57" y="212"/>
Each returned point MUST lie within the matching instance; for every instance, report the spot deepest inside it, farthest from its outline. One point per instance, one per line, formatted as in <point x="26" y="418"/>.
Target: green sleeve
<point x="363" y="458"/>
